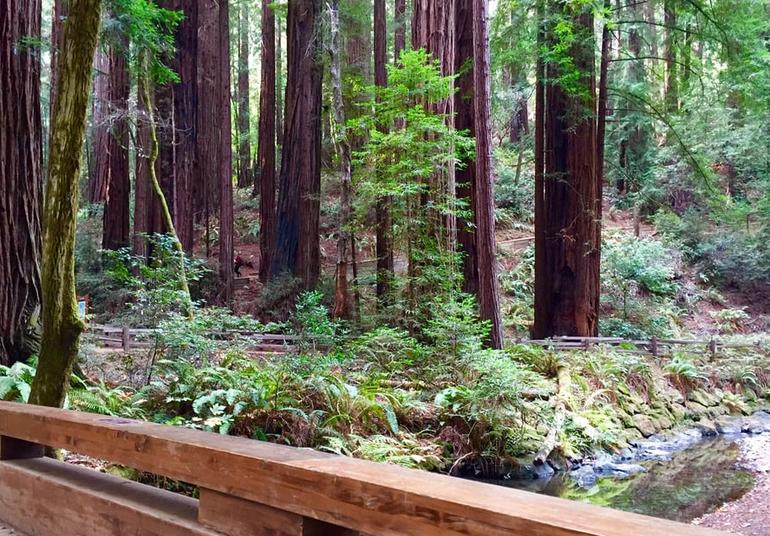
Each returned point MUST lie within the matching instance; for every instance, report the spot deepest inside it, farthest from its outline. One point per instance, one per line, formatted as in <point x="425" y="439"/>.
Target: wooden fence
<point x="253" y="488"/>
<point x="128" y="338"/>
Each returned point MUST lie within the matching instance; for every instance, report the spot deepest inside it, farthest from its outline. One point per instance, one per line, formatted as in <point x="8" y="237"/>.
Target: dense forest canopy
<point x="416" y="195"/>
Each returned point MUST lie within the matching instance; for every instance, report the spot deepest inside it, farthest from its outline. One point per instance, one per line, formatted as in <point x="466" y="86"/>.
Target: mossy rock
<point x="702" y="397"/>
<point x="678" y="411"/>
<point x="645" y="425"/>
<point x="696" y="408"/>
<point x="663" y="422"/>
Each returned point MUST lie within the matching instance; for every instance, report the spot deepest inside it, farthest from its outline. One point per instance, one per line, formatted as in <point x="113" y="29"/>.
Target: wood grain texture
<point x="372" y="498"/>
<point x="239" y="517"/>
<point x="43" y="497"/>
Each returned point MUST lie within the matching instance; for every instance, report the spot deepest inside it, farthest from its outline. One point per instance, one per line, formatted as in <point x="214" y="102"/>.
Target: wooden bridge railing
<point x="253" y="488"/>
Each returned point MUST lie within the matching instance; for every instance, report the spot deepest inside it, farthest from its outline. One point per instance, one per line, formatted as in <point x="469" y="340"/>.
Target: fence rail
<point x="128" y="338"/>
<point x="249" y="487"/>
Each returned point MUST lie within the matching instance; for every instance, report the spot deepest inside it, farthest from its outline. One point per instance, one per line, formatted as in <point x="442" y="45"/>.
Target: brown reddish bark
<point x="384" y="246"/>
<point x="341" y="309"/>
<point x="541" y="286"/>
<point x="177" y="124"/>
<point x="399" y="42"/>
<point x="280" y="83"/>
<point x="244" y="120"/>
<point x="100" y="131"/>
<point x="116" y="209"/>
<point x="433" y="28"/>
<point x="465" y="120"/>
<point x="225" y="157"/>
<point x="267" y="143"/>
<point x="147" y="220"/>
<point x="207" y="186"/>
<point x="488" y="293"/>
<point x="297" y="241"/>
<point x="20" y="181"/>
<point x="567" y="272"/>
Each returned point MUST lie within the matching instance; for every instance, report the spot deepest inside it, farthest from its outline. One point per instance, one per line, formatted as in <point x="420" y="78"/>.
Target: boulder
<point x="645" y="425"/>
<point x="702" y="397"/>
<point x="729" y="425"/>
<point x="584" y="476"/>
<point x="706" y="428"/>
<point x="618" y="470"/>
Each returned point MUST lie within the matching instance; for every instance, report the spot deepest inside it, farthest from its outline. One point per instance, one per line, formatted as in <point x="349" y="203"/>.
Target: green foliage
<point x="16" y="381"/>
<point x="150" y="31"/>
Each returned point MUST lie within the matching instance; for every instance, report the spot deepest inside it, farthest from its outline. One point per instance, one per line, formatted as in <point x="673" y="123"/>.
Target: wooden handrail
<point x="244" y="482"/>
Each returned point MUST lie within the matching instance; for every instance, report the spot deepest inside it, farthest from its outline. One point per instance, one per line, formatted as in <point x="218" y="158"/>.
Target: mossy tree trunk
<point x="61" y="324"/>
<point x="145" y="94"/>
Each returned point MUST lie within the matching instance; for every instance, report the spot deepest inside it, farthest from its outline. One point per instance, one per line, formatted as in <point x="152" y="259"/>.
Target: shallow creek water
<point x="693" y="482"/>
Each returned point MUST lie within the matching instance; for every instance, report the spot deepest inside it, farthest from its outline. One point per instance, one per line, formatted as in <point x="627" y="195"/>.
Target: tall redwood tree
<point x="567" y="201"/>
<point x="266" y="142"/>
<point x="20" y="181"/>
<point x="116" y="209"/>
<point x="297" y="248"/>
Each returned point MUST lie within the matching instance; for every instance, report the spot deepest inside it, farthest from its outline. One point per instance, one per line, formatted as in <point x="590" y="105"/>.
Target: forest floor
<point x="749" y="515"/>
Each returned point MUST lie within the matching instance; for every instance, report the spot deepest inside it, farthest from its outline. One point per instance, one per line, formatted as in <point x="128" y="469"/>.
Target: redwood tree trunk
<point x="384" y="224"/>
<point x="99" y="169"/>
<point x="62" y="326"/>
<point x="267" y="143"/>
<point x="116" y="209"/>
<point x="297" y="242"/>
<point x="207" y="186"/>
<point x="177" y="109"/>
<point x="20" y="181"/>
<point x="225" y="157"/>
<point x="465" y="120"/>
<point x="341" y="309"/>
<point x="488" y="288"/>
<point x="567" y="272"/>
<point x="244" y="123"/>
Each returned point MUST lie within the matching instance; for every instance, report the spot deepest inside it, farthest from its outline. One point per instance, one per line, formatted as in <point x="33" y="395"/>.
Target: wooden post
<point x="713" y="348"/>
<point x="654" y="346"/>
<point x="126" y="339"/>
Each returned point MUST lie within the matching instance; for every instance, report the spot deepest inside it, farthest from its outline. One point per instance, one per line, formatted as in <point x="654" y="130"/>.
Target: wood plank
<point x="216" y="511"/>
<point x="372" y="498"/>
<point x="43" y="497"/>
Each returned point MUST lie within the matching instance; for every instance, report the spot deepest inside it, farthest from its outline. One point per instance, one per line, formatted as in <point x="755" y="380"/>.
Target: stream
<point x="664" y="478"/>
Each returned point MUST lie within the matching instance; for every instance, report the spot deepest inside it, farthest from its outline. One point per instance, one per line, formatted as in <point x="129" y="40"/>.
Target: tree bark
<point x="20" y="181"/>
<point x="567" y="271"/>
<point x="343" y="150"/>
<point x="297" y="248"/>
<point x="244" y="122"/>
<point x="280" y="82"/>
<point x="225" y="158"/>
<point x="146" y="210"/>
<point x="62" y="326"/>
<point x="399" y="41"/>
<point x="384" y="246"/>
<point x="99" y="172"/>
<point x="433" y="28"/>
<point x="488" y="287"/>
<point x="465" y="115"/>
<point x="207" y="187"/>
<point x="267" y="143"/>
<point x="116" y="209"/>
